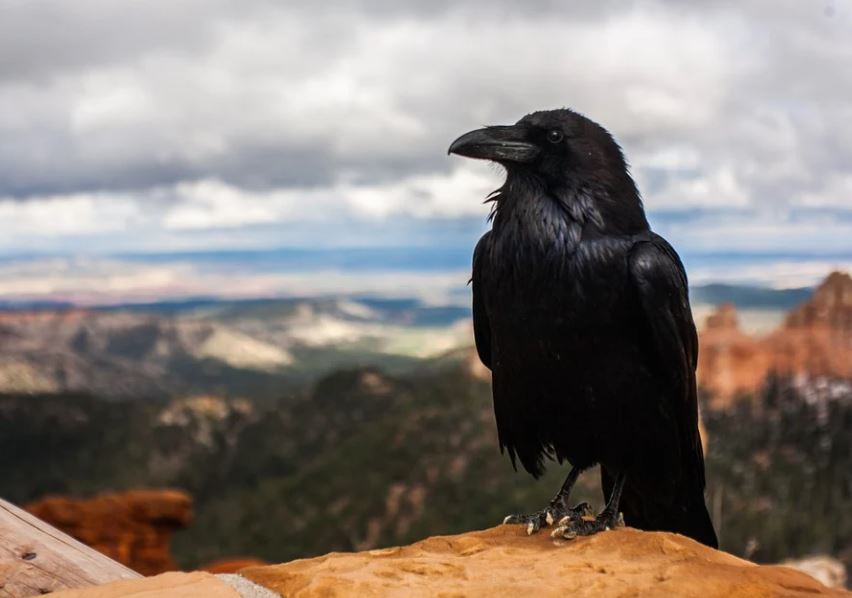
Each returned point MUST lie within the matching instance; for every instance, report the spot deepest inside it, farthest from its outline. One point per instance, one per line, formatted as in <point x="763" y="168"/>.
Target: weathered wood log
<point x="36" y="558"/>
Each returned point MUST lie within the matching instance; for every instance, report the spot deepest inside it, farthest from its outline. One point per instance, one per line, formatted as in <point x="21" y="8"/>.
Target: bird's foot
<point x="549" y="515"/>
<point x="568" y="529"/>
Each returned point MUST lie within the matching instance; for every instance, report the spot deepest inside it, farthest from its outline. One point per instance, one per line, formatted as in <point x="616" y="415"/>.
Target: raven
<point x="582" y="315"/>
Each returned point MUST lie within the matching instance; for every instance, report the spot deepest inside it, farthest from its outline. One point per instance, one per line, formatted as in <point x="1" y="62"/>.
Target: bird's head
<point x="569" y="155"/>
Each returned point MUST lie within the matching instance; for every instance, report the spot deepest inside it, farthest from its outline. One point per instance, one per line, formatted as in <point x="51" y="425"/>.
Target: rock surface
<point x="504" y="561"/>
<point x="134" y="528"/>
<point x="501" y="561"/>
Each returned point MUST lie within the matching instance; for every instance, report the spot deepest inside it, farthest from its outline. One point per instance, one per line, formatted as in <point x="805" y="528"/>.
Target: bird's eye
<point x="554" y="136"/>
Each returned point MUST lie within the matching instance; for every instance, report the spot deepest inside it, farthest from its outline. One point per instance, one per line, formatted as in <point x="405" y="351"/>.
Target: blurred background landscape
<point x="234" y="312"/>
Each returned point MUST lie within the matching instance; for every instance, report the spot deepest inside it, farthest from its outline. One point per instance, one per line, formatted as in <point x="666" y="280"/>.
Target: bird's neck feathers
<point x="598" y="208"/>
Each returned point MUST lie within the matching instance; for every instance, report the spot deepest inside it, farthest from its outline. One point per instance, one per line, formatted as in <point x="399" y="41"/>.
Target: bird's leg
<point x="557" y="510"/>
<point x="609" y="518"/>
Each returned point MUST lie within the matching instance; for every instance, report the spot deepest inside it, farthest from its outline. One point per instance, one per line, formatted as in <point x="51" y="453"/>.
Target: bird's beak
<point x="501" y="144"/>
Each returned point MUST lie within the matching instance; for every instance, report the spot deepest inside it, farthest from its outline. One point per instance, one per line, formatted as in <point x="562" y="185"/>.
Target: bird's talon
<point x="556" y="511"/>
<point x="544" y="518"/>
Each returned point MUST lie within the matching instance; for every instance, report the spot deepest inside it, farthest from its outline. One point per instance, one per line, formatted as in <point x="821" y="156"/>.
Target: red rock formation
<point x="831" y="306"/>
<point x="134" y="527"/>
<point x="815" y="340"/>
<point x="730" y="362"/>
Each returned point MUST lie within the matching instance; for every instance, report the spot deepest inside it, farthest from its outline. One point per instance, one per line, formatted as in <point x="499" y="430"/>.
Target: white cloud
<point x="836" y="192"/>
<point x="719" y="189"/>
<point x="758" y="232"/>
<point x="90" y="281"/>
<point x="457" y="193"/>
<point x="72" y="214"/>
<point x="213" y="204"/>
<point x="783" y="274"/>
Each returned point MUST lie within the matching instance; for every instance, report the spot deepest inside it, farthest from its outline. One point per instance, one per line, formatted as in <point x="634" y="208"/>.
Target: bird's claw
<point x="581" y="510"/>
<point x="548" y="516"/>
<point x="568" y="529"/>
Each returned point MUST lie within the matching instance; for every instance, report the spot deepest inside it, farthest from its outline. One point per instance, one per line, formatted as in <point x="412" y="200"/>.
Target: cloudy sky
<point x="146" y="143"/>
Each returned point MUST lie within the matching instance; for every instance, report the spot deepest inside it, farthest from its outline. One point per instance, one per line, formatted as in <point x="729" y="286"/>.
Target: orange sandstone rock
<point x="730" y="362"/>
<point x="830" y="306"/>
<point x="504" y="561"/>
<point x="816" y="338"/>
<point x="134" y="528"/>
<point x="501" y="561"/>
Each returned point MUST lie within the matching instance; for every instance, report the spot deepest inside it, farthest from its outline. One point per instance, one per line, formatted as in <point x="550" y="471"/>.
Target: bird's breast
<point x="550" y="278"/>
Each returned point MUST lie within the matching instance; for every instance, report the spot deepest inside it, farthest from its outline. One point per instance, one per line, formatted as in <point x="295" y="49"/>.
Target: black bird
<point x="582" y="314"/>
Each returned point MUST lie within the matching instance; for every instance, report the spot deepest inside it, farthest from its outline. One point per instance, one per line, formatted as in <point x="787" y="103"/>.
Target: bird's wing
<point x="659" y="279"/>
<point x="481" y="326"/>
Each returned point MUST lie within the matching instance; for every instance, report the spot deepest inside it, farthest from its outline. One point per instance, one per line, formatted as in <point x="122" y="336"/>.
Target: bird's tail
<point x="684" y="512"/>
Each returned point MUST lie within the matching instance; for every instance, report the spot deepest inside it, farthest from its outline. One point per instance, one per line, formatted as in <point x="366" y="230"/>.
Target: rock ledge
<point x="504" y="561"/>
